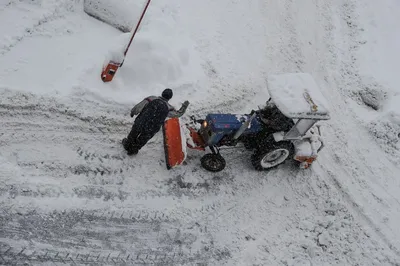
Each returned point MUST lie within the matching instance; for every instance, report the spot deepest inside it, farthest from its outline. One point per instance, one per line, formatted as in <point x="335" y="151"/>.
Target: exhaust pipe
<point x="244" y="126"/>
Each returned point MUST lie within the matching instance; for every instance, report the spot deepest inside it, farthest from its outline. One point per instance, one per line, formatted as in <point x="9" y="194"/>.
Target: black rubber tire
<point x="267" y="147"/>
<point x="213" y="162"/>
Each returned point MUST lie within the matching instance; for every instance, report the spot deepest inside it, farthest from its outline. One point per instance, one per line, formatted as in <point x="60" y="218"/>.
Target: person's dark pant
<point x="137" y="138"/>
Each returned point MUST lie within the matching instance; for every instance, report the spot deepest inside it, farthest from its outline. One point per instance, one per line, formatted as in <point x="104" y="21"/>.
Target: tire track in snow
<point x="353" y="190"/>
<point x="326" y="10"/>
<point x="357" y="209"/>
<point x="70" y="138"/>
<point x="49" y="140"/>
<point x="348" y="48"/>
<point x="62" y="131"/>
<point x="343" y="56"/>
<point x="336" y="216"/>
<point x="294" y="53"/>
<point x="131" y="237"/>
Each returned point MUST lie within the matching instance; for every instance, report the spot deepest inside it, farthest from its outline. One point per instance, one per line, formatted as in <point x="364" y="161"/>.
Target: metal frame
<point x="294" y="133"/>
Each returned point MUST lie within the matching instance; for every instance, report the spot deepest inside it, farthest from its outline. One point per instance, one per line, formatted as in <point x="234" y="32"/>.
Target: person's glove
<point x="183" y="108"/>
<point x="133" y="112"/>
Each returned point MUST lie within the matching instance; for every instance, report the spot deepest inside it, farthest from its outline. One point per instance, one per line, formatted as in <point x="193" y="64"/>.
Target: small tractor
<point x="285" y="128"/>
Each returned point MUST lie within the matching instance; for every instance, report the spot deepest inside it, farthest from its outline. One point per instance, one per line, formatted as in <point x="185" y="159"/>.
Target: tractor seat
<point x="275" y="119"/>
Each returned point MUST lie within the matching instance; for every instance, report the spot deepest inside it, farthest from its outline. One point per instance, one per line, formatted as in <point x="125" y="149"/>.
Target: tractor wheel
<point x="271" y="154"/>
<point x="213" y="162"/>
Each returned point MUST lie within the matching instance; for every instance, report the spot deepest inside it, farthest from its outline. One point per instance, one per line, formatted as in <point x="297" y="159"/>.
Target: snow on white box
<point x="297" y="95"/>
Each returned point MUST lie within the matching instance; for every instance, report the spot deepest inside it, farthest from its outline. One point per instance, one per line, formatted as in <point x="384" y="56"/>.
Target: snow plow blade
<point x="174" y="143"/>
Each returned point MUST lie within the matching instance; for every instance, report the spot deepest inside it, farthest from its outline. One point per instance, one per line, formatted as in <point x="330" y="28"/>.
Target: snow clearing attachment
<point x="175" y="152"/>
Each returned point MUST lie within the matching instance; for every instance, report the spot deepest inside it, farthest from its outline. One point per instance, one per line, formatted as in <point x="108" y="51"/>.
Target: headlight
<point x="205" y="124"/>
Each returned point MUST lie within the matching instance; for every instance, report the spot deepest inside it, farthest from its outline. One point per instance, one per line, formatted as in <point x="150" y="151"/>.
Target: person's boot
<point x="132" y="151"/>
<point x="129" y="148"/>
<point x="124" y="143"/>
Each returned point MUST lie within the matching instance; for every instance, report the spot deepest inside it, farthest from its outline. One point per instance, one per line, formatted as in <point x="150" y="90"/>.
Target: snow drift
<point x="379" y="87"/>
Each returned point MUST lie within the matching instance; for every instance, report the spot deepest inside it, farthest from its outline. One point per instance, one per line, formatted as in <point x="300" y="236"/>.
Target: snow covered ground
<point x="70" y="195"/>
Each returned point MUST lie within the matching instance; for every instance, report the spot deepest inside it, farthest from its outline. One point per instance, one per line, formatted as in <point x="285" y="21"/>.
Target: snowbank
<point x="378" y="61"/>
<point x="160" y="56"/>
<point x="374" y="96"/>
<point x="385" y="127"/>
<point x="71" y="48"/>
<point x="117" y="50"/>
<point x="122" y="15"/>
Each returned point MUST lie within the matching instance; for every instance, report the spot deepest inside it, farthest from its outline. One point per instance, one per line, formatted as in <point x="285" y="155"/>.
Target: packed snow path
<point x="70" y="195"/>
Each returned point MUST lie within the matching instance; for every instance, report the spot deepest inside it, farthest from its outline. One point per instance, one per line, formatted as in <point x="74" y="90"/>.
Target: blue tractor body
<point x="220" y="128"/>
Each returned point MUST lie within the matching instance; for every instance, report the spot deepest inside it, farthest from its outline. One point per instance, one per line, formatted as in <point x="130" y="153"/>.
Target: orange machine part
<point x="109" y="71"/>
<point x="173" y="143"/>
<point x="197" y="139"/>
<point x="306" y="160"/>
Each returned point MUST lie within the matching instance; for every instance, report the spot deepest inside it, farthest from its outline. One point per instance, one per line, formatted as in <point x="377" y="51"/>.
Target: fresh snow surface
<point x="69" y="194"/>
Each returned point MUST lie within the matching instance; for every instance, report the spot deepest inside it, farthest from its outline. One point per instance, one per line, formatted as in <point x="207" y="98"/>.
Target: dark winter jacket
<point x="152" y="116"/>
<point x="153" y="111"/>
<point x="171" y="110"/>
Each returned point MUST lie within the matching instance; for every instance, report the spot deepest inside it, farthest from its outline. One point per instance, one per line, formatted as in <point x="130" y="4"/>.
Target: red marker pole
<point x="109" y="71"/>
